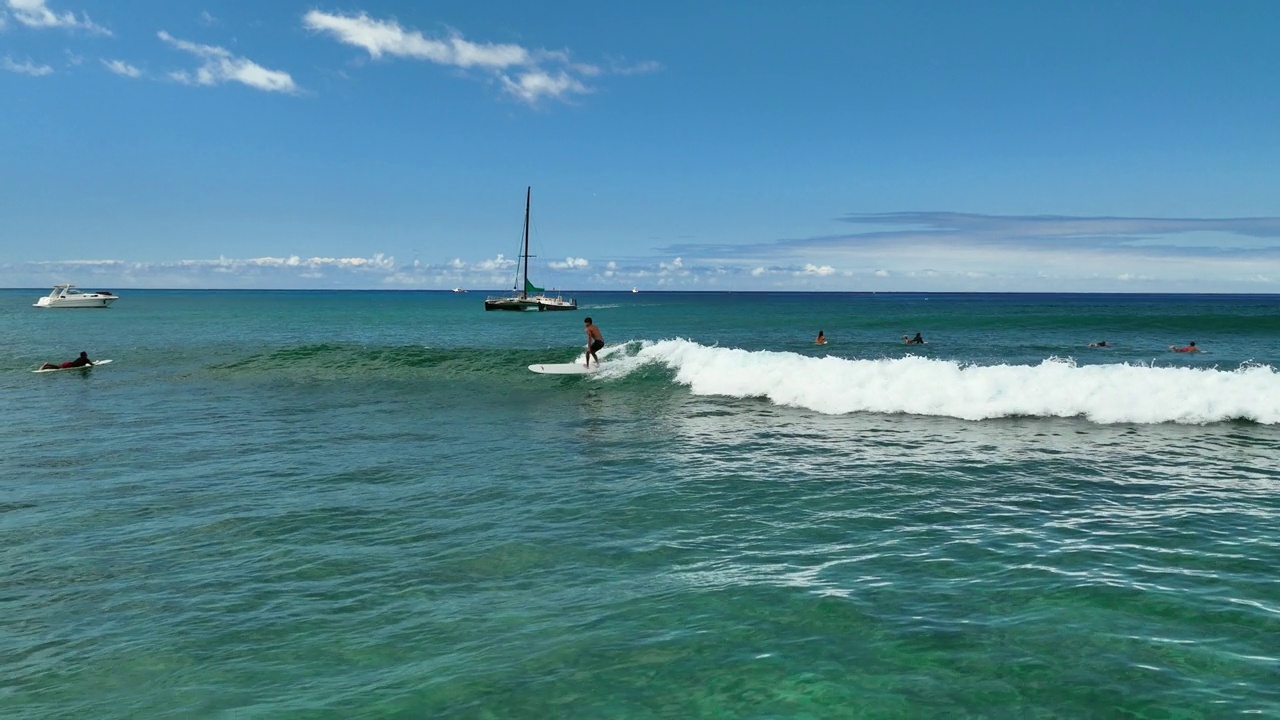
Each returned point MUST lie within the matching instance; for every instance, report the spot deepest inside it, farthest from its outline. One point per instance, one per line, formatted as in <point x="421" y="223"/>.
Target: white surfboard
<point x="82" y="367"/>
<point x="563" y="369"/>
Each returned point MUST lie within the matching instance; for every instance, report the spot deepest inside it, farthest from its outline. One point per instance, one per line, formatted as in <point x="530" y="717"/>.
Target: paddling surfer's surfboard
<point x="82" y="367"/>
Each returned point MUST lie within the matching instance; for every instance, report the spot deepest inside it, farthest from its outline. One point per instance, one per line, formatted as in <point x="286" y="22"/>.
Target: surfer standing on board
<point x="81" y="361"/>
<point x="595" y="341"/>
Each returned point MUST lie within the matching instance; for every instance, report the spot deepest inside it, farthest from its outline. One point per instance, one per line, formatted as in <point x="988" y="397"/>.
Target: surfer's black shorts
<point x="596" y="345"/>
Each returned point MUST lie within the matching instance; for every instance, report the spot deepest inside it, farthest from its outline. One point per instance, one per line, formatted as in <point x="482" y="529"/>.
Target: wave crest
<point x="1117" y="393"/>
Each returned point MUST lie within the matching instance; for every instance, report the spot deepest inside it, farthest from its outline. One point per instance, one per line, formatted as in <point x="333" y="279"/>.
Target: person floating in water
<point x="82" y="361"/>
<point x="917" y="340"/>
<point x="821" y="339"/>
<point x="1101" y="343"/>
<point x="1190" y="348"/>
<point x="595" y="341"/>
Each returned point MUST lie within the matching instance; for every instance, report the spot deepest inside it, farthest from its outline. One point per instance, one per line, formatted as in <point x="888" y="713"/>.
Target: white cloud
<point x="34" y="13"/>
<point x="1131" y="277"/>
<point x="379" y="37"/>
<point x="378" y="261"/>
<point x="207" y="19"/>
<point x="532" y="86"/>
<point x="83" y="263"/>
<point x="528" y="75"/>
<point x="221" y="66"/>
<point x="913" y="263"/>
<point x="121" y="67"/>
<point x="499" y="263"/>
<point x="25" y="68"/>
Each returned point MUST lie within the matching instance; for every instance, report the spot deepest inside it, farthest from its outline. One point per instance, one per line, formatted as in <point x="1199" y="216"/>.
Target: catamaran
<point x="526" y="295"/>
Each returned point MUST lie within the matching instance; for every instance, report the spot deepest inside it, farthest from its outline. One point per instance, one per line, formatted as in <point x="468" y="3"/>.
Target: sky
<point x="825" y="145"/>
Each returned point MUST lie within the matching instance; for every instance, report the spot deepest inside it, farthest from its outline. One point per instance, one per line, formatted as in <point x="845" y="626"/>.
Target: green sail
<point x="530" y="288"/>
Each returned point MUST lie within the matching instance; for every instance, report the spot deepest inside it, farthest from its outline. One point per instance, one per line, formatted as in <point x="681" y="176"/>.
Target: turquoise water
<point x="360" y="504"/>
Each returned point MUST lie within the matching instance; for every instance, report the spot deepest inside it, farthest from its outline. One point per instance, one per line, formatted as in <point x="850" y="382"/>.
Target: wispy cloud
<point x="526" y="74"/>
<point x="293" y="271"/>
<point x="261" y="272"/>
<point x="621" y="67"/>
<point x="121" y="67"/>
<point x="960" y="251"/>
<point x="943" y="230"/>
<point x="24" y="68"/>
<point x="386" y="37"/>
<point x="908" y="251"/>
<point x="1101" y="230"/>
<point x="535" y="84"/>
<point x="221" y="66"/>
<point x="36" y="14"/>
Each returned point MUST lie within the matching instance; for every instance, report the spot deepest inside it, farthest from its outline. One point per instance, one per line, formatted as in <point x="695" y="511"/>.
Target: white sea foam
<point x="1118" y="393"/>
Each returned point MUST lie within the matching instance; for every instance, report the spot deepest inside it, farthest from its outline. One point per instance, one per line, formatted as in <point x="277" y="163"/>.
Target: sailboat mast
<point x="528" y="193"/>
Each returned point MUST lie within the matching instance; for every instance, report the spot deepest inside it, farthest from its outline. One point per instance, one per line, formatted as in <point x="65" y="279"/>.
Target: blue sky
<point x="819" y="145"/>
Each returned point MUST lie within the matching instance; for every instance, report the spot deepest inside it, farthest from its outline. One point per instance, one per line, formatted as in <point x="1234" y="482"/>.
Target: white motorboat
<point x="459" y="290"/>
<point x="547" y="302"/>
<point x="68" y="296"/>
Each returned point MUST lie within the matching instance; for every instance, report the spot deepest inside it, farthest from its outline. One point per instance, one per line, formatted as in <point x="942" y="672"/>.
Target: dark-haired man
<point x="595" y="341"/>
<point x="82" y="361"/>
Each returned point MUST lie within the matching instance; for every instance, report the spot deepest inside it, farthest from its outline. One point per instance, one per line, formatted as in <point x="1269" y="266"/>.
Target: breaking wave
<point x="1117" y="393"/>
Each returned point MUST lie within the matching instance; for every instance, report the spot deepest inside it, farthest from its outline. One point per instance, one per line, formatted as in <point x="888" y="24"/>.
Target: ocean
<point x="294" y="504"/>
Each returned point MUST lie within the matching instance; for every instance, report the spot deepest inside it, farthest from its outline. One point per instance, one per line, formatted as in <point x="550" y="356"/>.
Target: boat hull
<point x="510" y="304"/>
<point x="541" y="303"/>
<point x="80" y="302"/>
<point x="557" y="305"/>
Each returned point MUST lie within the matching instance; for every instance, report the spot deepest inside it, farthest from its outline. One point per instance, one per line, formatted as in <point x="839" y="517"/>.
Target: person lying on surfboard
<point x="595" y="341"/>
<point x="81" y="361"/>
<point x="1190" y="348"/>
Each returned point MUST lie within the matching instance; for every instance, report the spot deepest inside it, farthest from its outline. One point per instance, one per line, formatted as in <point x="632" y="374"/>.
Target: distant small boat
<point x="67" y="296"/>
<point x="459" y="290"/>
<point x="635" y="289"/>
